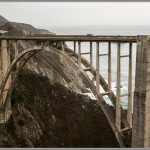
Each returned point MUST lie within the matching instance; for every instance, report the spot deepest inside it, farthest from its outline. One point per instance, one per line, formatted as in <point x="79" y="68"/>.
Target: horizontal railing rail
<point x="83" y="38"/>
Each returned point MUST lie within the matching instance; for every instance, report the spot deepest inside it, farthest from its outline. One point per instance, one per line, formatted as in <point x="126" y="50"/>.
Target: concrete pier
<point x="141" y="109"/>
<point x="5" y="63"/>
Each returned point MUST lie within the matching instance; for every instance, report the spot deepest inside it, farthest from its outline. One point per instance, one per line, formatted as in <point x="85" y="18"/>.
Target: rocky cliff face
<point x="47" y="115"/>
<point x="49" y="109"/>
<point x="56" y="69"/>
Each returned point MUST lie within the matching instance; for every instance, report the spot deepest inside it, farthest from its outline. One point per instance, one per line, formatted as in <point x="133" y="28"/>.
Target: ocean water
<point x="100" y="30"/>
<point x="108" y="30"/>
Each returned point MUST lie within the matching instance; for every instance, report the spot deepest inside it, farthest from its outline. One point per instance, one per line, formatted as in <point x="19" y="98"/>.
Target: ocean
<point x="107" y="30"/>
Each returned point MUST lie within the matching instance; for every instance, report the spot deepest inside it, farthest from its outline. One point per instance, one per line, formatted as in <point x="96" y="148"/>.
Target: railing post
<point x="74" y="46"/>
<point x="109" y="66"/>
<point x="4" y="57"/>
<point x="5" y="63"/>
<point x="79" y="55"/>
<point x="129" y="111"/>
<point x="9" y="61"/>
<point x="118" y="109"/>
<point x="16" y="53"/>
<point x="141" y="105"/>
<point x="63" y="47"/>
<point x="97" y="69"/>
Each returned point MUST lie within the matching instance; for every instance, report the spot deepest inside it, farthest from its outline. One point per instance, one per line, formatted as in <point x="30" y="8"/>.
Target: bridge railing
<point x="76" y="45"/>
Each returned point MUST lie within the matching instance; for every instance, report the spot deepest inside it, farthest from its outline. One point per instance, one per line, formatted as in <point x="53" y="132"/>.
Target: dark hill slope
<point x="46" y="115"/>
<point x="3" y="20"/>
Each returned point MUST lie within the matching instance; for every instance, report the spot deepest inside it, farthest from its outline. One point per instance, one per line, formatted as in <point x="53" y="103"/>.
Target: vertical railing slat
<point x="129" y="111"/>
<point x="118" y="110"/>
<point x="63" y="47"/>
<point x="91" y="54"/>
<point x="97" y="68"/>
<point x="79" y="55"/>
<point x="16" y="53"/>
<point x="74" y="46"/>
<point x="109" y="66"/>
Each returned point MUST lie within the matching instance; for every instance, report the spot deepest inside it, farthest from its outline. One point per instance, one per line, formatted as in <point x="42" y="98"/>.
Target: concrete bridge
<point x="121" y="121"/>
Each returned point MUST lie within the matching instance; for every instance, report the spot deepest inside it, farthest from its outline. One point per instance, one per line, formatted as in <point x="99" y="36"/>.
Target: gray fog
<point x="42" y="14"/>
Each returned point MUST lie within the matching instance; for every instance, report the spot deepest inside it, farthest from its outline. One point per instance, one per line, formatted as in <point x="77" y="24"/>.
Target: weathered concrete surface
<point x="5" y="63"/>
<point x="141" y="110"/>
<point x="83" y="38"/>
<point x="47" y="64"/>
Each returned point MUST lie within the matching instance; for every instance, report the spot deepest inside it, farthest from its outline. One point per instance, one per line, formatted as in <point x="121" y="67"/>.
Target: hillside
<point x="31" y="29"/>
<point x="44" y="31"/>
<point x="3" y="20"/>
<point x="23" y="26"/>
<point x="45" y="117"/>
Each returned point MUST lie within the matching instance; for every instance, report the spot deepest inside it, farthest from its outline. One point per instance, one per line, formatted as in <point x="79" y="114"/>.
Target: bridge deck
<point x="83" y="38"/>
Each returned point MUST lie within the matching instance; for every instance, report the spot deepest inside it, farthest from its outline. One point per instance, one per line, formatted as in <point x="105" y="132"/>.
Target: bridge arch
<point x="5" y="94"/>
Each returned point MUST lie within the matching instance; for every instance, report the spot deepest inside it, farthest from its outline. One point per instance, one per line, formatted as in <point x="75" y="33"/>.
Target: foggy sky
<point x="42" y="14"/>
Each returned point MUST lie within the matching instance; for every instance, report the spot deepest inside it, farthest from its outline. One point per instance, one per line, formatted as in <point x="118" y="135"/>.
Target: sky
<point x="41" y="14"/>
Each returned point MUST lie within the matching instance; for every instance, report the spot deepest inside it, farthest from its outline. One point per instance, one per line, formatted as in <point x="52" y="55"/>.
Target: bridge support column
<point x="109" y="66"/>
<point x="91" y="53"/>
<point x="97" y="68"/>
<point x="5" y="63"/>
<point x="118" y="108"/>
<point x="74" y="46"/>
<point x="141" y="109"/>
<point x="129" y="111"/>
<point x="63" y="47"/>
<point x="16" y="53"/>
<point x="79" y="55"/>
